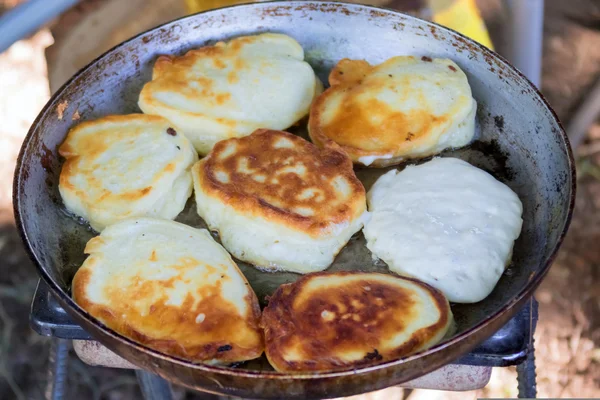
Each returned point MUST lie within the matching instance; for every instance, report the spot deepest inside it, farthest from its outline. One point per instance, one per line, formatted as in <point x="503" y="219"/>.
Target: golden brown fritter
<point x="329" y="321"/>
<point x="400" y="109"/>
<point x="170" y="287"/>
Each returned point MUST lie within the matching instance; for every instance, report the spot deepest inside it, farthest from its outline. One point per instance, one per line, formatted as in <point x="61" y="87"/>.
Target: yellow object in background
<point x="196" y="6"/>
<point x="462" y="16"/>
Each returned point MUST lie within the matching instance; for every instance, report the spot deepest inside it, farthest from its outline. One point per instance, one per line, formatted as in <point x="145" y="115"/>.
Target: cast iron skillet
<point x="520" y="141"/>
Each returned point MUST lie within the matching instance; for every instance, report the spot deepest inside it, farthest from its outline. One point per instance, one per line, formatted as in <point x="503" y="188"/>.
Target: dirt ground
<point x="568" y="333"/>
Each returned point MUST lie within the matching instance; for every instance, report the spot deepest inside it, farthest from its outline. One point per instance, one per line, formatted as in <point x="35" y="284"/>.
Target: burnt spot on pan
<point x="46" y="159"/>
<point x="25" y="172"/>
<point x="499" y="122"/>
<point x="463" y="45"/>
<point x="497" y="159"/>
<point x="562" y="182"/>
<point x="278" y="11"/>
<point x="327" y="8"/>
<point x="434" y="32"/>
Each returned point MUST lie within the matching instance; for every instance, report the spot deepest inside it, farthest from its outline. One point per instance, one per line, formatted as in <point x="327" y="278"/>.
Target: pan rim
<point x="521" y="296"/>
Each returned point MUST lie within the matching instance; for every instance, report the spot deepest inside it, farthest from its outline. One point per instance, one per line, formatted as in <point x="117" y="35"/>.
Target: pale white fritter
<point x="447" y="223"/>
<point x="171" y="287"/>
<point x="403" y="108"/>
<point x="232" y="88"/>
<point x="125" y="166"/>
<point x="278" y="201"/>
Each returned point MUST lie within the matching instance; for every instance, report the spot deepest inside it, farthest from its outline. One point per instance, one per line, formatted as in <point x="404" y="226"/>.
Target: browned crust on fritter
<point x="172" y="73"/>
<point x="250" y="197"/>
<point x="189" y="339"/>
<point x="346" y="76"/>
<point x="92" y="146"/>
<point x="187" y="60"/>
<point x="285" y="326"/>
<point x="67" y="150"/>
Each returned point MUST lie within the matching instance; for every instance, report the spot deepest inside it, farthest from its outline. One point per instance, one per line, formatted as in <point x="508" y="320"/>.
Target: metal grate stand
<point x="526" y="378"/>
<point x="57" y="369"/>
<point x="511" y="345"/>
<point x="153" y="387"/>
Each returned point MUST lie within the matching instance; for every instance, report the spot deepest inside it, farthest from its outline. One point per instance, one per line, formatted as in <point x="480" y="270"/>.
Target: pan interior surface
<point x="518" y="140"/>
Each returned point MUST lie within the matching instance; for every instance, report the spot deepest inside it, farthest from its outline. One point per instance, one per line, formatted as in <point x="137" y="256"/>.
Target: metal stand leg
<point x="526" y="379"/>
<point x="584" y="117"/>
<point x="153" y="386"/>
<point x="57" y="369"/>
<point x="524" y="33"/>
<point x="526" y="382"/>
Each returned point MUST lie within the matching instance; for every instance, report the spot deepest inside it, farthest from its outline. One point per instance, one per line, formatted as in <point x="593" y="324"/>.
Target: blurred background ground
<point x="568" y="333"/>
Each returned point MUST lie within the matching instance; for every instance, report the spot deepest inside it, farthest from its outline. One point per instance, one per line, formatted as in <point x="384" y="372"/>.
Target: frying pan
<point x="519" y="140"/>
